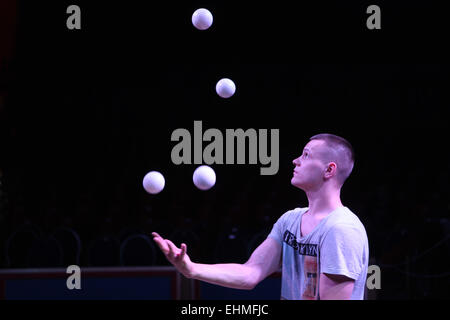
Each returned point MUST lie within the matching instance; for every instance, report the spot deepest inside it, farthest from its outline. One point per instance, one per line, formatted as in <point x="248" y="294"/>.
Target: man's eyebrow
<point x="306" y="149"/>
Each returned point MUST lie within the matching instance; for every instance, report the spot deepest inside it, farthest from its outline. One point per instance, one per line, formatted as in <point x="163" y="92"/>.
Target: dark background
<point x="86" y="114"/>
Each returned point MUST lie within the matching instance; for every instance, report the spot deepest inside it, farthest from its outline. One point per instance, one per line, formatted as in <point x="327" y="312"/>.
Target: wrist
<point x="191" y="271"/>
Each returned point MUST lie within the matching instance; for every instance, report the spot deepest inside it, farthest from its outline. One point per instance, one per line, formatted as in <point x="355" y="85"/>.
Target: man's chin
<point x="296" y="183"/>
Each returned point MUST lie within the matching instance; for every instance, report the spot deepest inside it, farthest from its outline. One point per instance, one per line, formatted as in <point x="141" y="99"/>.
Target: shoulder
<point x="290" y="217"/>
<point x="344" y="222"/>
<point x="293" y="214"/>
<point x="285" y="222"/>
<point x="344" y="217"/>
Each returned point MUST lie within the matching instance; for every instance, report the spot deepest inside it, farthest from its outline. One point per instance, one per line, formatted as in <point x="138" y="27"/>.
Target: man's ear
<point x="331" y="170"/>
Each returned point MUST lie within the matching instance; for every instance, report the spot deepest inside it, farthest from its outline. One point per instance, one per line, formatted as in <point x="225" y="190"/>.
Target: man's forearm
<point x="335" y="287"/>
<point x="231" y="275"/>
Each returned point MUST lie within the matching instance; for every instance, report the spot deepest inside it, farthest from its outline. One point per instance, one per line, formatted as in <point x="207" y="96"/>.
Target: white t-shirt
<point x="337" y="245"/>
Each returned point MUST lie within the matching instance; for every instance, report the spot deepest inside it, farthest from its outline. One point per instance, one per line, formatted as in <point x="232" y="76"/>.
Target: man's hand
<point x="176" y="256"/>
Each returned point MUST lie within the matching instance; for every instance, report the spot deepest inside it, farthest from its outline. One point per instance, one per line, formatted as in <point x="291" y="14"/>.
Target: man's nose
<point x="296" y="162"/>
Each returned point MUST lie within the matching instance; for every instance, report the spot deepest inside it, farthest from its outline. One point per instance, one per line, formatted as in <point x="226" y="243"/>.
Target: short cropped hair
<point x="343" y="154"/>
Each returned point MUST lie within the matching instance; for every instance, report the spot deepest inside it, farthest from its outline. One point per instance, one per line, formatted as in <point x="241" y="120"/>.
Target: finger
<point x="173" y="249"/>
<point x="162" y="244"/>
<point x="183" y="251"/>
<point x="155" y="234"/>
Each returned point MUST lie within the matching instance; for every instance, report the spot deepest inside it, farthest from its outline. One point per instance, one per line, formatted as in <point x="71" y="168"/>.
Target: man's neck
<point x="321" y="203"/>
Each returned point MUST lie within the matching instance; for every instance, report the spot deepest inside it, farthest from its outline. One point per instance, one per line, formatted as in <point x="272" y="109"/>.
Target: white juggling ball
<point x="202" y="19"/>
<point x="225" y="88"/>
<point x="204" y="177"/>
<point x="153" y="182"/>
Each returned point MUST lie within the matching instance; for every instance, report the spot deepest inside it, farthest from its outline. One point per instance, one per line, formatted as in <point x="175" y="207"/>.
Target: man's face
<point x="309" y="167"/>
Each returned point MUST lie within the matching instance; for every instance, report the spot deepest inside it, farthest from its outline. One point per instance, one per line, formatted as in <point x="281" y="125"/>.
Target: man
<point x="322" y="249"/>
